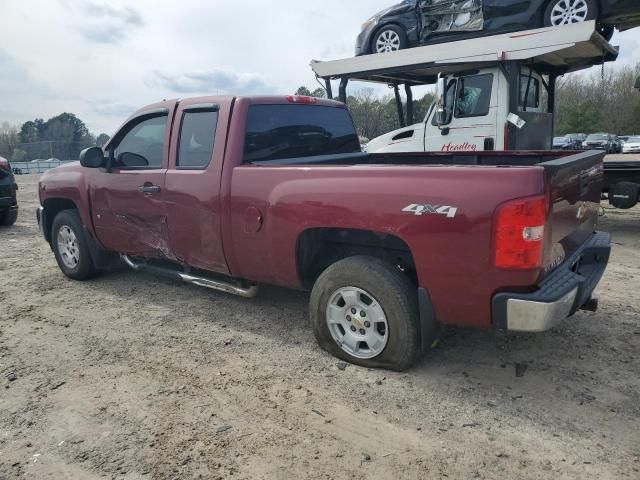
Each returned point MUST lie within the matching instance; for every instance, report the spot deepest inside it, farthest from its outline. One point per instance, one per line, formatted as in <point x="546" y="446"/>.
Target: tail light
<point x="520" y="227"/>
<point x="302" y="99"/>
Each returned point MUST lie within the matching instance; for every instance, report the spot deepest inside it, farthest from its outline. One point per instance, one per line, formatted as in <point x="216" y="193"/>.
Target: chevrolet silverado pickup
<point x="233" y="192"/>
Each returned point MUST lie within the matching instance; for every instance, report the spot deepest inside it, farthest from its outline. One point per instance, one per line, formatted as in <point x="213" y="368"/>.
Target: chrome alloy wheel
<point x="566" y="12"/>
<point x="68" y="247"/>
<point x="357" y="323"/>
<point x="387" y="41"/>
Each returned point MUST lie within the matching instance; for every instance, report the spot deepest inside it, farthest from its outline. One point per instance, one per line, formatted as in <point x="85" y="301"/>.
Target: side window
<point x="450" y="97"/>
<point x="142" y="145"/>
<point x="197" y="137"/>
<point x="529" y="92"/>
<point x="474" y="96"/>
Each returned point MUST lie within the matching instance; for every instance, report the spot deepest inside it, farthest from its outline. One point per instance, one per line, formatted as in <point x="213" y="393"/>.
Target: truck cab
<point x="471" y="115"/>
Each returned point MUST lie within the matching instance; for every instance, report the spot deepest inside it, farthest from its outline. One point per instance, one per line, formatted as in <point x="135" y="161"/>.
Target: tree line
<point x="585" y="103"/>
<point x="63" y="137"/>
<point x="599" y="102"/>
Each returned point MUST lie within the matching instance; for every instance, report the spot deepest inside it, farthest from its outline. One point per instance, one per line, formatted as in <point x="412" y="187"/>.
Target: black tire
<point x="401" y="35"/>
<point x="391" y="289"/>
<point x="84" y="268"/>
<point x="8" y="217"/>
<point x="592" y="11"/>
<point x="624" y="195"/>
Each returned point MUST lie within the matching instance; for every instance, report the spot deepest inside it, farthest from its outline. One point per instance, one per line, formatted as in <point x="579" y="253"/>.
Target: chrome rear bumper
<point x="561" y="294"/>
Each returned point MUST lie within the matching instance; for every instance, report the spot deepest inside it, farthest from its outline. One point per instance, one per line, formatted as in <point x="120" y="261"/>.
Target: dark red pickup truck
<point x="231" y="192"/>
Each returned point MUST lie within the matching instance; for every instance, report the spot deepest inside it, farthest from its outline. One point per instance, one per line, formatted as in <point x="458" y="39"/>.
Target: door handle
<point x="149" y="188"/>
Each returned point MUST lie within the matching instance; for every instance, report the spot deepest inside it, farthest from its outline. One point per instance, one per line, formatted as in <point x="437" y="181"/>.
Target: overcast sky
<point x="104" y="59"/>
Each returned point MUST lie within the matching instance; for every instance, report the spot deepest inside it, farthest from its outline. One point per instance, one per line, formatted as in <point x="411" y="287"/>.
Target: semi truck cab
<point x="472" y="114"/>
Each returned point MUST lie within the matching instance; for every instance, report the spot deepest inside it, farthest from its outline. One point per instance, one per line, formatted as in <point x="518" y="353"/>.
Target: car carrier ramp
<point x="552" y="50"/>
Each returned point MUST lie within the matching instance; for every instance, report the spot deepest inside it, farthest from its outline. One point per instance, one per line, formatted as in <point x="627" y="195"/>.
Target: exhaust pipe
<point x="248" y="292"/>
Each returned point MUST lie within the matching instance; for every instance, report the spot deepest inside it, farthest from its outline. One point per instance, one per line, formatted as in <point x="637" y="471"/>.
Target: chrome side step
<point x="245" y="292"/>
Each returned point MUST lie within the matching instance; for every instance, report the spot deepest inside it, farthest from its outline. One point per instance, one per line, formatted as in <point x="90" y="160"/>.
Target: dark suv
<point x="8" y="200"/>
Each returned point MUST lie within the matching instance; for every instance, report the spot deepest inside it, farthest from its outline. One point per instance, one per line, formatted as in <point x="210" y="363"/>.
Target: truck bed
<point x="549" y="159"/>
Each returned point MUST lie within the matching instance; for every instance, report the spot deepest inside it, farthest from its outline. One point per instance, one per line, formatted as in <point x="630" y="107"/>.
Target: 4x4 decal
<point x="420" y="210"/>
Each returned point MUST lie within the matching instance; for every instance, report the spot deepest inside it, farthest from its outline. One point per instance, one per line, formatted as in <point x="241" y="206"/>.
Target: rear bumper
<point x="568" y="289"/>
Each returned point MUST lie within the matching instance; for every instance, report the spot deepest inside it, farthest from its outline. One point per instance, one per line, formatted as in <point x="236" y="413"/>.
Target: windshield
<point x="560" y="139"/>
<point x="633" y="140"/>
<point x="596" y="138"/>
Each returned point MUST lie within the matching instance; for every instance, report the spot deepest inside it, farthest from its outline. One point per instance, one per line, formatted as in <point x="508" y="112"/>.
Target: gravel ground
<point x="133" y="377"/>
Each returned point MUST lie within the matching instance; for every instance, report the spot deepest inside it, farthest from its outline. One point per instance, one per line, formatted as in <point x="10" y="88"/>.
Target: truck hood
<point x="383" y="143"/>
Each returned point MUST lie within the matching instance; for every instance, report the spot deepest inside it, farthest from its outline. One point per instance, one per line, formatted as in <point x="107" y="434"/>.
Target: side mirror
<point x="92" y="157"/>
<point x="441" y="100"/>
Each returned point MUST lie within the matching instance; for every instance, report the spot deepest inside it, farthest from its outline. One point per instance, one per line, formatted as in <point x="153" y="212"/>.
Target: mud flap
<point x="102" y="259"/>
<point x="430" y="329"/>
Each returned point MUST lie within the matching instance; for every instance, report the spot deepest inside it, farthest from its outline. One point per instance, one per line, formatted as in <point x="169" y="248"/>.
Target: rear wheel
<point x="365" y="311"/>
<point x="567" y="12"/>
<point x="389" y="39"/>
<point x="8" y="217"/>
<point x="70" y="246"/>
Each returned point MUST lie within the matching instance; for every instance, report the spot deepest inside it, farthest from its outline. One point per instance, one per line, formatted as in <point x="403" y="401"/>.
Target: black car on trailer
<point x="419" y="22"/>
<point x="8" y="198"/>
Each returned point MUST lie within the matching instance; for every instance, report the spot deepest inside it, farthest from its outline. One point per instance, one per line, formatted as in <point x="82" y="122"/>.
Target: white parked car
<point x="632" y="145"/>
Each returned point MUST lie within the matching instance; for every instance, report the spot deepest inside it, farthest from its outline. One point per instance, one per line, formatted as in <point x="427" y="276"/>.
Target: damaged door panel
<point x="448" y="16"/>
<point x="129" y="198"/>
<point x="192" y="194"/>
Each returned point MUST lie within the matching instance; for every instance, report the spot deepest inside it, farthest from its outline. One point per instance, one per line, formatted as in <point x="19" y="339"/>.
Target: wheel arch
<point x="318" y="248"/>
<point x="52" y="207"/>
<point x="379" y="28"/>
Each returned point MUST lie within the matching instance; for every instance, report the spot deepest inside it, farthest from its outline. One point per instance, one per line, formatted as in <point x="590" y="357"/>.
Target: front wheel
<point x="365" y="311"/>
<point x="70" y="246"/>
<point x="389" y="39"/>
<point x="567" y="12"/>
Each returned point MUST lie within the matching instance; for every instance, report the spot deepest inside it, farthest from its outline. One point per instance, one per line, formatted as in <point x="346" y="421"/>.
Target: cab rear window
<point x="276" y="132"/>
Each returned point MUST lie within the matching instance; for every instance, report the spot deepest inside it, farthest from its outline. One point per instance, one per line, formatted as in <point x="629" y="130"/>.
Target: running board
<point x="220" y="286"/>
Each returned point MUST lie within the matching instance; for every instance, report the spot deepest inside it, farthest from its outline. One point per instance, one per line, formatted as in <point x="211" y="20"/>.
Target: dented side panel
<point x="448" y="16"/>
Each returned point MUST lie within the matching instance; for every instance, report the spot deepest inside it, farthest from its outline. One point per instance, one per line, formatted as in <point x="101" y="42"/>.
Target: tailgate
<point x="575" y="187"/>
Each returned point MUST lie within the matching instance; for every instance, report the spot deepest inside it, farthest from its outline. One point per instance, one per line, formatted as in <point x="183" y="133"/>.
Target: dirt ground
<point x="133" y="377"/>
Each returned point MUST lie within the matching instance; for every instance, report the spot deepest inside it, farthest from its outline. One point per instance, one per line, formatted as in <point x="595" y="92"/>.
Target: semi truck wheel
<point x="365" y="311"/>
<point x="624" y="195"/>
<point x="567" y="12"/>
<point x="70" y="246"/>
